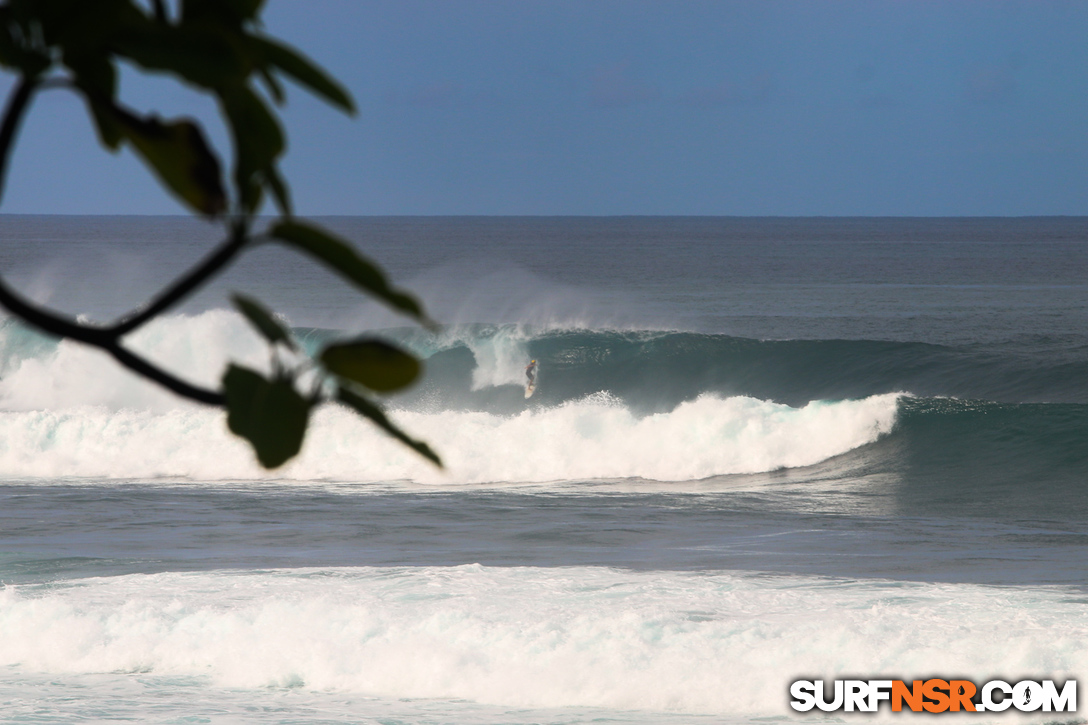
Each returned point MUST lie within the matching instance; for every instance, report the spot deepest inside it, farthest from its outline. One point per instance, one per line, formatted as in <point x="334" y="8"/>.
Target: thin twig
<point x="108" y="339"/>
<point x="54" y="324"/>
<point x="187" y="284"/>
<point x="51" y="322"/>
<point x="150" y="371"/>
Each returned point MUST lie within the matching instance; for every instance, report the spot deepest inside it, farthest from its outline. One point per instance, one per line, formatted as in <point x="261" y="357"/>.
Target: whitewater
<point x="98" y="423"/>
<point x="760" y="451"/>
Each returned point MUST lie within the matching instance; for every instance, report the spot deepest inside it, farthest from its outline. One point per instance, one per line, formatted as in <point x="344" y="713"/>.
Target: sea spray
<point x="501" y="355"/>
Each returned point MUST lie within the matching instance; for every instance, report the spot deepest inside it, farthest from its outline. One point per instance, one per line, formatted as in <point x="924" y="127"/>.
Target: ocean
<point x="760" y="450"/>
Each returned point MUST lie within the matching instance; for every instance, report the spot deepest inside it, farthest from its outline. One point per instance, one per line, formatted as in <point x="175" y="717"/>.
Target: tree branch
<point x="51" y="322"/>
<point x="185" y="285"/>
<point x="107" y="340"/>
<point x="150" y="371"/>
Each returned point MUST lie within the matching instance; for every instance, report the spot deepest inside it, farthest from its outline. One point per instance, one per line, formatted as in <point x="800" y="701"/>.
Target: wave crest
<point x="597" y="437"/>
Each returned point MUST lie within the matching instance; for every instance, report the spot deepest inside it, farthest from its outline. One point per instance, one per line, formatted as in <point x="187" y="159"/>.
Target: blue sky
<point x="911" y="107"/>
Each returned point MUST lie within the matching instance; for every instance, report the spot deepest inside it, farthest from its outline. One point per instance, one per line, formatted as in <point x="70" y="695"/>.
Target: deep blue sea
<point x="760" y="450"/>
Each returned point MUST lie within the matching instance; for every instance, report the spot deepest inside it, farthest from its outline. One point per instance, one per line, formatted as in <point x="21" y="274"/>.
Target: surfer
<point x="530" y="373"/>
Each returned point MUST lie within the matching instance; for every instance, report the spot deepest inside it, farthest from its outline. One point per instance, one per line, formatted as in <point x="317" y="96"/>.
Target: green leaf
<point x="338" y="254"/>
<point x="275" y="89"/>
<point x="95" y="73"/>
<point x="203" y="55"/>
<point x="9" y="51"/>
<point x="263" y="320"/>
<point x="374" y="364"/>
<point x="175" y="150"/>
<point x="16" y="49"/>
<point x="371" y="410"/>
<point x="111" y="131"/>
<point x="258" y="140"/>
<point x="279" y="189"/>
<point x="271" y="415"/>
<point x="305" y="73"/>
<point x="234" y="12"/>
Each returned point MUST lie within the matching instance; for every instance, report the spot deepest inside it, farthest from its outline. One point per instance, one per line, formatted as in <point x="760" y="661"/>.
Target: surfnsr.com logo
<point x="934" y="695"/>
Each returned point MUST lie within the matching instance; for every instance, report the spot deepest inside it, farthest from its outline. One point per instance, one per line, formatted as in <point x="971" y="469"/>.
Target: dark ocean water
<point x="759" y="449"/>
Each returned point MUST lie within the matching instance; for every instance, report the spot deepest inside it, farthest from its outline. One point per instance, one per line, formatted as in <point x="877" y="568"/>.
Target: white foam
<point x="71" y="411"/>
<point x="501" y="353"/>
<point x="195" y="347"/>
<point x="702" y="642"/>
<point x="592" y="438"/>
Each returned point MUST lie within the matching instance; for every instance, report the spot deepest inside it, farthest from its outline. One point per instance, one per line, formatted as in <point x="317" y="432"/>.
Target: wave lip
<point x="597" y="437"/>
<point x="655" y="371"/>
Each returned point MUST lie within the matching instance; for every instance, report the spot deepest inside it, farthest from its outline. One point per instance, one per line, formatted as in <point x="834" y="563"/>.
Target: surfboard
<point x="530" y="385"/>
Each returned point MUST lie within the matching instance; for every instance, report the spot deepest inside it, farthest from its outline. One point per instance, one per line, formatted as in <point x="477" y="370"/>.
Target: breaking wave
<point x="610" y="405"/>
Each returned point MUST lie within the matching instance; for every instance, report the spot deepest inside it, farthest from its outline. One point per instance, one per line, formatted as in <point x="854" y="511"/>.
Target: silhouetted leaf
<point x="275" y="88"/>
<point x="263" y="320"/>
<point x="374" y="364"/>
<point x="340" y="256"/>
<point x="16" y="50"/>
<point x="279" y="189"/>
<point x="203" y="55"/>
<point x="258" y="140"/>
<point x="175" y="150"/>
<point x="270" y="414"/>
<point x="111" y="132"/>
<point x="85" y="31"/>
<point x="305" y="73"/>
<point x="371" y="410"/>
<point x="94" y="73"/>
<point x="234" y="12"/>
<point x="9" y="50"/>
